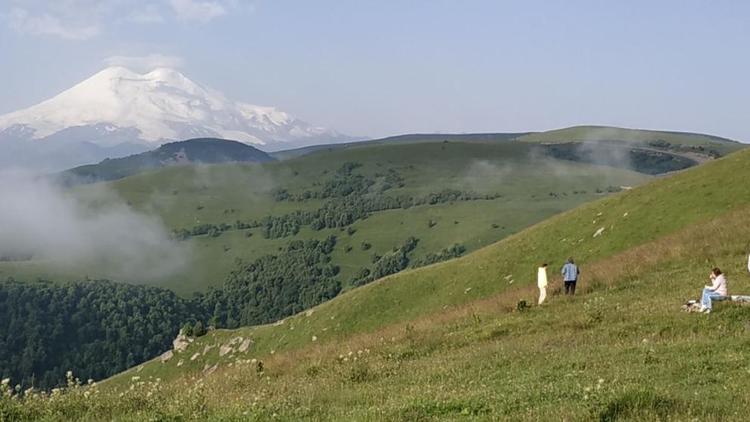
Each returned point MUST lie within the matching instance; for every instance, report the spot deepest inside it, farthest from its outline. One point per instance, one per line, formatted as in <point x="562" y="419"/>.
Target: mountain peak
<point x="159" y="106"/>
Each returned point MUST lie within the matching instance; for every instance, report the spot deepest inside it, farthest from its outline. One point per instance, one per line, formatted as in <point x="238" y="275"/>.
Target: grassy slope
<point x="428" y="347"/>
<point x="186" y="196"/>
<point x="630" y="314"/>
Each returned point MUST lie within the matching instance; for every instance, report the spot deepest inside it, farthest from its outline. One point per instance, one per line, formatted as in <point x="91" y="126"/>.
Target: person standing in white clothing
<point x="541" y="282"/>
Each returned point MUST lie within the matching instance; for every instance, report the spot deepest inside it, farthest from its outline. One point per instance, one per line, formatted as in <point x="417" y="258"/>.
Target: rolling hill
<point x="458" y="339"/>
<point x="443" y="194"/>
<point x="192" y="151"/>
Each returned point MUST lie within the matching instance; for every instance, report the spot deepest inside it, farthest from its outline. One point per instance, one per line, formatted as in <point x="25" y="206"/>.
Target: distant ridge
<point x="667" y="140"/>
<point x="413" y="138"/>
<point x="193" y="151"/>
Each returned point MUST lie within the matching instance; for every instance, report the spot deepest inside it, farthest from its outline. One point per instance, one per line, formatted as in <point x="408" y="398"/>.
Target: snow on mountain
<point x="118" y="105"/>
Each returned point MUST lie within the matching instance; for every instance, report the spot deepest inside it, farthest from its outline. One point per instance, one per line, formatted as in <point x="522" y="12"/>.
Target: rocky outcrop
<point x="181" y="342"/>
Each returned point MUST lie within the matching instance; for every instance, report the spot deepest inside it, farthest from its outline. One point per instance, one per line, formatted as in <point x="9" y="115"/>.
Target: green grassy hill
<point x="448" y="341"/>
<point x="416" y="138"/>
<point x="192" y="151"/>
<point x="523" y="187"/>
<point x="657" y="138"/>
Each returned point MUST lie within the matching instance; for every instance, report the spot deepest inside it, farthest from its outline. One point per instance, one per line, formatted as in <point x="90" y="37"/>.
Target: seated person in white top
<point x="718" y="288"/>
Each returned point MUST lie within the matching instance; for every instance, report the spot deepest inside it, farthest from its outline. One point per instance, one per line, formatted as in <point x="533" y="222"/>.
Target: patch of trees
<point x="211" y="230"/>
<point x="653" y="162"/>
<point x="620" y="156"/>
<point x="696" y="149"/>
<point x="609" y="189"/>
<point x="448" y="253"/>
<point x="275" y="286"/>
<point x="274" y="227"/>
<point x="389" y="263"/>
<point x="93" y="328"/>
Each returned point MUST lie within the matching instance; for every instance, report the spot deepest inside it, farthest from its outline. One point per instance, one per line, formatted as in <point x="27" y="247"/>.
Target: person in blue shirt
<point x="570" y="273"/>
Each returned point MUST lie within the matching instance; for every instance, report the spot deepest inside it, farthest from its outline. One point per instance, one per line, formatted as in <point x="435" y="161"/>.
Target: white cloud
<point x="145" y="63"/>
<point x="197" y="10"/>
<point x="85" y="19"/>
<point x="45" y="24"/>
<point x="92" y="229"/>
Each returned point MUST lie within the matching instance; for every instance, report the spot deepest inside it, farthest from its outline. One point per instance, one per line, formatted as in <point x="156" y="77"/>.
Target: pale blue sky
<point x="386" y="67"/>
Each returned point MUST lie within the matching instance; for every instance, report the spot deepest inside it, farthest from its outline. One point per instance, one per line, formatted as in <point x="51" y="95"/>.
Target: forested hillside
<point x="95" y="328"/>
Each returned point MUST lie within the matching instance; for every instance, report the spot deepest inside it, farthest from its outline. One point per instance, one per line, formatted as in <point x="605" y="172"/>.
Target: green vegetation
<point x="276" y="286"/>
<point x="94" y="328"/>
<point x="646" y="161"/>
<point x="445" y="341"/>
<point x="654" y="138"/>
<point x="197" y="151"/>
<point x="392" y="192"/>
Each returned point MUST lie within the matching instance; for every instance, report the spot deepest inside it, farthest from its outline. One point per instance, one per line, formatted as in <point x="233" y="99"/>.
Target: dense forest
<point x="275" y="286"/>
<point x="94" y="328"/>
<point x="99" y="328"/>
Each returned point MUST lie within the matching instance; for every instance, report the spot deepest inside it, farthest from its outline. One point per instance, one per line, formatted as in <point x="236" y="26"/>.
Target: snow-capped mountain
<point x="118" y="106"/>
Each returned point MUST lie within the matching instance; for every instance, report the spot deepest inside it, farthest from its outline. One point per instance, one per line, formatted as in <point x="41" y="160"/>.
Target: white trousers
<point x="542" y="294"/>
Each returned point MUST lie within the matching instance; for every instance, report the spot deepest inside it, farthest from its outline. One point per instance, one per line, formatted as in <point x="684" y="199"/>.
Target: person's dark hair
<point x="716" y="271"/>
<point x="544" y="264"/>
<point x="570" y="260"/>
